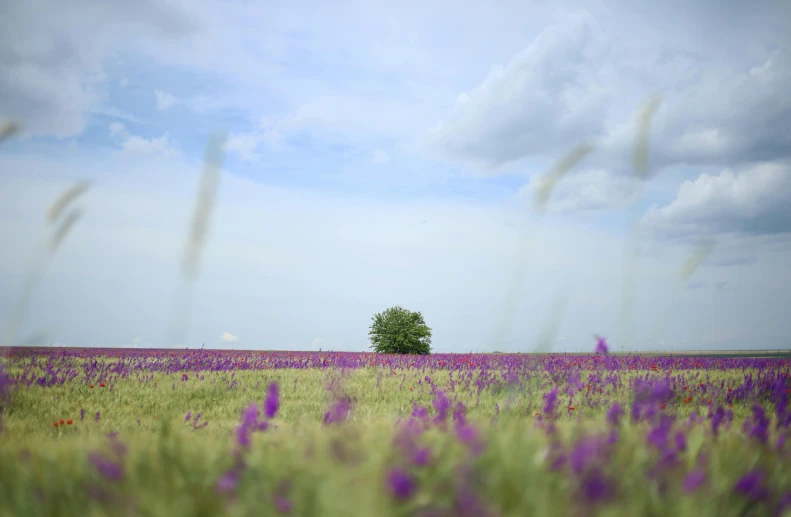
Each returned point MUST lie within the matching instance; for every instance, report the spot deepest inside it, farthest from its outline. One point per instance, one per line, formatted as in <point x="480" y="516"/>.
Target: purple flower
<point x="601" y="346"/>
<point x="587" y="450"/>
<point x="82" y="414"/>
<point x="109" y="469"/>
<point x="694" y="480"/>
<point x="717" y="419"/>
<point x="96" y="419"/>
<point x="614" y="414"/>
<point x="422" y="457"/>
<point x="419" y="412"/>
<point x="188" y="416"/>
<point x="550" y="399"/>
<point x="752" y="486"/>
<point x="272" y="402"/>
<point x="283" y="505"/>
<point x="681" y="441"/>
<point x="400" y="484"/>
<point x="228" y="482"/>
<point x="760" y="429"/>
<point x="595" y="487"/>
<point x="339" y="411"/>
<point x="442" y="405"/>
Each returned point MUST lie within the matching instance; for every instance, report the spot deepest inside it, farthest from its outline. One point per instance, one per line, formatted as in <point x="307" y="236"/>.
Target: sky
<point x="391" y="153"/>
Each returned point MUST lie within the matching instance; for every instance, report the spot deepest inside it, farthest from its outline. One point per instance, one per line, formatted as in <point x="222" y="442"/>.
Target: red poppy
<point x="662" y="405"/>
<point x="69" y="421"/>
<point x="62" y="422"/>
<point x="91" y="385"/>
<point x="55" y="424"/>
<point x="101" y="384"/>
<point x="571" y="408"/>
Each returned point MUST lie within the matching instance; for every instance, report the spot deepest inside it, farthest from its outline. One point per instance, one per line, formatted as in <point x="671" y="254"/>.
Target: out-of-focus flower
<point x="614" y="414"/>
<point x="339" y="411"/>
<point x="550" y="399"/>
<point x="109" y="469"/>
<point x="400" y="484"/>
<point x="693" y="480"/>
<point x="272" y="402"/>
<point x="752" y="486"/>
<point x="601" y="346"/>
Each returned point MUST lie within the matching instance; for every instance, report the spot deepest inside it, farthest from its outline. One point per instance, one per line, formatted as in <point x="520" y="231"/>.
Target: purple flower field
<point x="295" y="433"/>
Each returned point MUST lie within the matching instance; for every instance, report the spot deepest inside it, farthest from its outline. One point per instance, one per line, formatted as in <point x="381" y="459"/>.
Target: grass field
<point x="162" y="432"/>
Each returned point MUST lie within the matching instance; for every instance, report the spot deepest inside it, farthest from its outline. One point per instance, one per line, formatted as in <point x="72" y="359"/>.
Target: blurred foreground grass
<point x="299" y="466"/>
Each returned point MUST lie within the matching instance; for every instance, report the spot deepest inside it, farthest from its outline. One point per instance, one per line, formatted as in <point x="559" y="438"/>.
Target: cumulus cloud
<point x="227" y="337"/>
<point x="248" y="145"/>
<point x="134" y="144"/>
<point x="164" y="100"/>
<point x="574" y="82"/>
<point x="753" y="202"/>
<point x="586" y="191"/>
<point x="547" y="98"/>
<point x="51" y="55"/>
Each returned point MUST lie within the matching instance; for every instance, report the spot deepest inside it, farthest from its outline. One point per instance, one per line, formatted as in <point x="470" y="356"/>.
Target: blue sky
<point x="391" y="153"/>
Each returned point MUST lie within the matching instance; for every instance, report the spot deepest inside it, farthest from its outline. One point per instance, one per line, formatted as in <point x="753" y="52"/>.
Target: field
<point x="199" y="432"/>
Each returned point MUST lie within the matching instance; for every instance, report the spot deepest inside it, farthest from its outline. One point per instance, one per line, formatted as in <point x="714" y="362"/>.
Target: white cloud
<point x="134" y="144"/>
<point x="139" y="145"/>
<point x="248" y="145"/>
<point x="586" y="191"/>
<point x="548" y="97"/>
<point x="164" y="100"/>
<point x="754" y="201"/>
<point x="380" y="156"/>
<point x="117" y="129"/>
<point x="227" y="337"/>
<point x="51" y="69"/>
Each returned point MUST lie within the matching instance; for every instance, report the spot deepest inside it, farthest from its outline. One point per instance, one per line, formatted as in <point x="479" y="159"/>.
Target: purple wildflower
<point x="694" y="480"/>
<point x="550" y="399"/>
<point x="614" y="414"/>
<point x="422" y="457"/>
<point x="587" y="450"/>
<point x="595" y="487"/>
<point x="188" y="416"/>
<point x="400" y="484"/>
<point x="752" y="486"/>
<point x="760" y="429"/>
<point x="109" y="469"/>
<point x="228" y="482"/>
<point x="96" y="419"/>
<point x="339" y="411"/>
<point x="716" y="419"/>
<point x="601" y="346"/>
<point x="82" y="414"/>
<point x="681" y="441"/>
<point x="442" y="405"/>
<point x="272" y="403"/>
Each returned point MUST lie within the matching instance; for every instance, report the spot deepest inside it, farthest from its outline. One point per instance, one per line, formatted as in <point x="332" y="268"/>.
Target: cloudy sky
<point x="390" y="153"/>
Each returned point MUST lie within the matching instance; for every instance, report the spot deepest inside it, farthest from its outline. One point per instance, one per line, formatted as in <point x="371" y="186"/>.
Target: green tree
<point x="399" y="331"/>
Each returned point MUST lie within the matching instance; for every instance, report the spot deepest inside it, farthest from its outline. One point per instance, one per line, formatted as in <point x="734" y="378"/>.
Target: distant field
<point x="206" y="432"/>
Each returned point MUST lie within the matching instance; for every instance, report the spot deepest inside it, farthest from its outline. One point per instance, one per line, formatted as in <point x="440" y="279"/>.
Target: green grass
<point x="172" y="470"/>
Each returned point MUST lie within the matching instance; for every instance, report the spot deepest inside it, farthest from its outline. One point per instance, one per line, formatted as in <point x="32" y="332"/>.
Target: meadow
<point x="200" y="432"/>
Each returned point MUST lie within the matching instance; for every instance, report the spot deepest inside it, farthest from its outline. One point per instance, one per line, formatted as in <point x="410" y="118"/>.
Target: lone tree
<point x="399" y="331"/>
